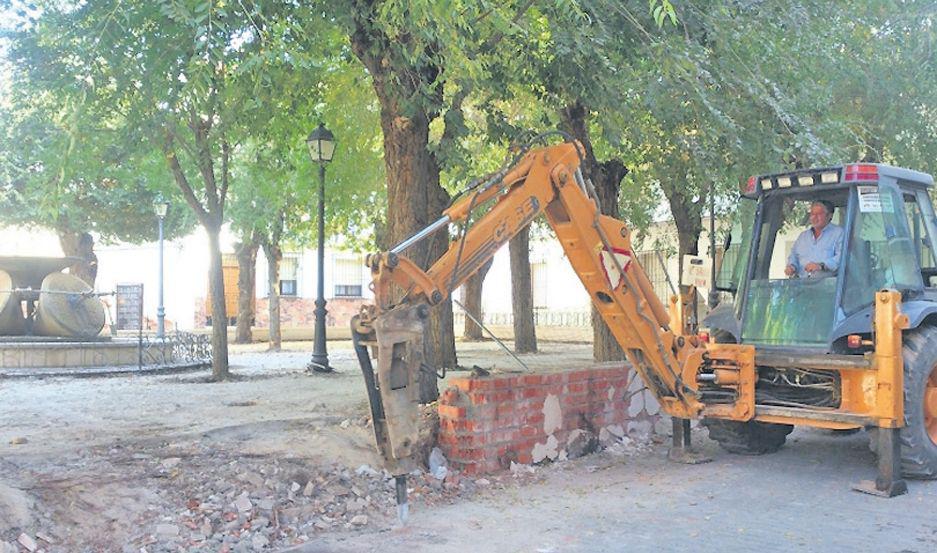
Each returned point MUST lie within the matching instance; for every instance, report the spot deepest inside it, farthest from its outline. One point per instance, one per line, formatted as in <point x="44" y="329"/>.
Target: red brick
<point x="570" y="400"/>
<point x="500" y="396"/>
<point x="472" y="384"/>
<point x="451" y="411"/>
<point x="504" y="436"/>
<point x="528" y="431"/>
<point x="505" y="382"/>
<point x="467" y="454"/>
<point x="553" y="389"/>
<point x="580" y="376"/>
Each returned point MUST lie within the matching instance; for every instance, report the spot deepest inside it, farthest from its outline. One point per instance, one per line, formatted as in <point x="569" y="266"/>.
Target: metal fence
<point x="542" y="317"/>
<point x="177" y="349"/>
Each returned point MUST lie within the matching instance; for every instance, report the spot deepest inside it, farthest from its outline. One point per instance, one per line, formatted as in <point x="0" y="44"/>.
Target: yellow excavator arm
<point x="544" y="181"/>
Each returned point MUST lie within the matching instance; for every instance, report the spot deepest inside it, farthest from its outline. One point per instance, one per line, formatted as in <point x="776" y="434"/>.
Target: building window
<point x="289" y="274"/>
<point x="348" y="277"/>
<point x="538" y="284"/>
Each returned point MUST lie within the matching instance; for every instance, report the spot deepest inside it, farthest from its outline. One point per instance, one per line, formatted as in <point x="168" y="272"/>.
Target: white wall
<point x="186" y="269"/>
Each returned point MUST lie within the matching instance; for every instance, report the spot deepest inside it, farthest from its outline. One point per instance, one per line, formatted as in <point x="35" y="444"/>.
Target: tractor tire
<point x="919" y="435"/>
<point x="747" y="438"/>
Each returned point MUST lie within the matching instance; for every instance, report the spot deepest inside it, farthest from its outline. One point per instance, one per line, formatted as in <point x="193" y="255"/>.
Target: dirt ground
<point x="112" y="464"/>
<point x="281" y="459"/>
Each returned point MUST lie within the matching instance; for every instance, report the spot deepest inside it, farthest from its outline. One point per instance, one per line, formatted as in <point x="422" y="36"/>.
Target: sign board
<point x="129" y="306"/>
<point x="697" y="271"/>
<point x="871" y="201"/>
<point x="611" y="261"/>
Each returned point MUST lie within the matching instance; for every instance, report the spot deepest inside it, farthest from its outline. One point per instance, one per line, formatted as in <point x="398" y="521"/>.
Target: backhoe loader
<point x="855" y="349"/>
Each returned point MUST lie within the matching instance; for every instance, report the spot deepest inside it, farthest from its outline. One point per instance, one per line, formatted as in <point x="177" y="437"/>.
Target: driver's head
<point x="821" y="213"/>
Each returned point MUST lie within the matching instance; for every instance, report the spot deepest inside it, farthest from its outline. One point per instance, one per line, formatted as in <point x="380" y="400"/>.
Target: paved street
<point x="796" y="500"/>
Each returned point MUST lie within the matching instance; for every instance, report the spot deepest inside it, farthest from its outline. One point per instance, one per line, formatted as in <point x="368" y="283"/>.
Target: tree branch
<point x="169" y="152"/>
<point x="465" y="88"/>
<point x="225" y="158"/>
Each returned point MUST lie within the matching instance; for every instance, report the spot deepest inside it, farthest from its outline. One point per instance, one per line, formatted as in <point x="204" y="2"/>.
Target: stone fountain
<point x="51" y="323"/>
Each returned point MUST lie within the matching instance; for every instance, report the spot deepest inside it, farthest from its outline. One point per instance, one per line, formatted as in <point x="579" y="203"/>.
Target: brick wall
<point x="295" y="312"/>
<point x="488" y="422"/>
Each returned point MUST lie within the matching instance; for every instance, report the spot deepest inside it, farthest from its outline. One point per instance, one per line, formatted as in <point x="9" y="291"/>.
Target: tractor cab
<point x="886" y="240"/>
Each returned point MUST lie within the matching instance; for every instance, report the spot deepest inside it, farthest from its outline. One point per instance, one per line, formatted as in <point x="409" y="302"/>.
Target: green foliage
<point x="685" y="94"/>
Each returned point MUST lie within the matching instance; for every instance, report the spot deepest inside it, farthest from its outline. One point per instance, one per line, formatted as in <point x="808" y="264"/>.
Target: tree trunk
<point x="688" y="218"/>
<point x="522" y="299"/>
<point x="472" y="300"/>
<point x="414" y="196"/>
<point x="274" y="255"/>
<point x="415" y="199"/>
<point x="606" y="177"/>
<point x="80" y="245"/>
<point x="247" y="284"/>
<point x="219" y="316"/>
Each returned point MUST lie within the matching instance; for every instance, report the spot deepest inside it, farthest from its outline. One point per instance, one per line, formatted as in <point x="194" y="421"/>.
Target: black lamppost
<point x="161" y="207"/>
<point x="321" y="144"/>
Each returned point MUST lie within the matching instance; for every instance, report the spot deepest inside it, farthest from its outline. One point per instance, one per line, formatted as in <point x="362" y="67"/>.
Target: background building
<point x="558" y="297"/>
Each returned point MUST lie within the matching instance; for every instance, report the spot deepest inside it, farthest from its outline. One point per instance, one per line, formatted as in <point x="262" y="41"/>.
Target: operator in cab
<point x="818" y="250"/>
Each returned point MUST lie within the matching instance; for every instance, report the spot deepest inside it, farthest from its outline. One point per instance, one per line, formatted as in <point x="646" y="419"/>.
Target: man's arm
<point x="832" y="262"/>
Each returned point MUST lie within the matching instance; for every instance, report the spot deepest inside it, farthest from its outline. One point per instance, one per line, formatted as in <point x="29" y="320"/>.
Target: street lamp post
<point x="321" y="145"/>
<point x="161" y="207"/>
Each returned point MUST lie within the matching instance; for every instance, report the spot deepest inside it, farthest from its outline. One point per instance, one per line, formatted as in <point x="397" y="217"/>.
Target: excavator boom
<point x="545" y="181"/>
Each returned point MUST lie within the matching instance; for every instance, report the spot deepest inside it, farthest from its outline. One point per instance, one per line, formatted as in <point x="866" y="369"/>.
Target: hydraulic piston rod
<point x="433" y="227"/>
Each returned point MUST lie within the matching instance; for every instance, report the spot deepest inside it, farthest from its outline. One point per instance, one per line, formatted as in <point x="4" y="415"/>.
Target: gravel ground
<point x="281" y="459"/>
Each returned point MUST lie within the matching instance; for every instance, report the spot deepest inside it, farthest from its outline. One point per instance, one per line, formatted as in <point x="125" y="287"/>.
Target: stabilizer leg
<point x="889" y="481"/>
<point x="682" y="449"/>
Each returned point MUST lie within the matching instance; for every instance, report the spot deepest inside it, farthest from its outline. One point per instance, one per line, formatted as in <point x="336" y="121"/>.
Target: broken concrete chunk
<point x="366" y="470"/>
<point x="616" y="430"/>
<point x="309" y="489"/>
<point x="642" y="428"/>
<point x="259" y="541"/>
<point x="580" y="442"/>
<point x="322" y="525"/>
<point x="360" y="520"/>
<point x="544" y="451"/>
<point x="651" y="405"/>
<point x="167" y="531"/>
<point x="27" y="542"/>
<point x="243" y="504"/>
<point x="636" y="404"/>
<point x="170" y="462"/>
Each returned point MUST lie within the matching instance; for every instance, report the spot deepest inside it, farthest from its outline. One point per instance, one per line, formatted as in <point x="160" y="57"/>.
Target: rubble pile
<point x="190" y="496"/>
